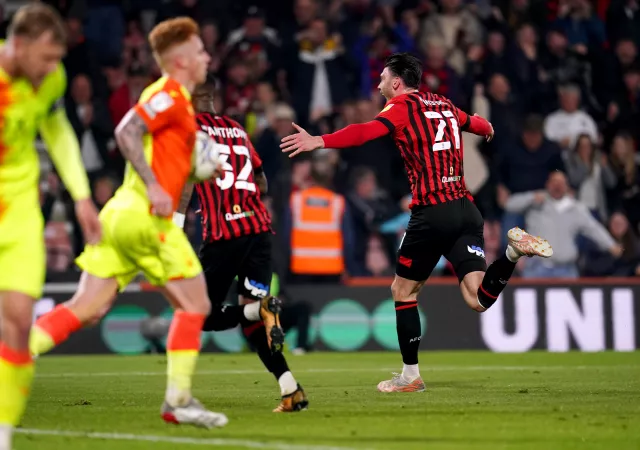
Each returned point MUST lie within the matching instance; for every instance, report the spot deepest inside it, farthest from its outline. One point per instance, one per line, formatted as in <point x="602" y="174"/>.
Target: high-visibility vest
<point x="316" y="232"/>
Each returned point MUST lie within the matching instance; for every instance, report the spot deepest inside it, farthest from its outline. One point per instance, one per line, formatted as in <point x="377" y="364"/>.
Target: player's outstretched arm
<point x="64" y="150"/>
<point x="351" y="136"/>
<point x="479" y="126"/>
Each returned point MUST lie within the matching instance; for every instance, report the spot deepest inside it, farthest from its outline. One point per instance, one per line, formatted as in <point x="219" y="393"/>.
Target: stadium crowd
<point x="558" y="79"/>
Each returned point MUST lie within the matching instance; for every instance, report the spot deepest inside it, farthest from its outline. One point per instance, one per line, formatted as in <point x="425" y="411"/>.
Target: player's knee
<point x="397" y="291"/>
<point x="202" y="307"/>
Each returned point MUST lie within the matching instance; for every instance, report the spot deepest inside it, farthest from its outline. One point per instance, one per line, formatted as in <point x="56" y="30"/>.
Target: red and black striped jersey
<point x="230" y="206"/>
<point x="427" y="131"/>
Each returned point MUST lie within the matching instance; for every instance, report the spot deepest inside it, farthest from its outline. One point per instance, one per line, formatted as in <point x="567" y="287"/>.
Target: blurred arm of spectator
<point x="594" y="230"/>
<point x="520" y="203"/>
<point x="609" y="178"/>
<point x="577" y="171"/>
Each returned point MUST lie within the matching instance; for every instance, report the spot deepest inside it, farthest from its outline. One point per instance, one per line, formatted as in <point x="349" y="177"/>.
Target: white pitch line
<point x="337" y="370"/>
<point x="216" y="442"/>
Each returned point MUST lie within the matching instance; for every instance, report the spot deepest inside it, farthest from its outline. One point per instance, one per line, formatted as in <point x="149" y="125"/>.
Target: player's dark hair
<point x="407" y="67"/>
<point x="33" y="20"/>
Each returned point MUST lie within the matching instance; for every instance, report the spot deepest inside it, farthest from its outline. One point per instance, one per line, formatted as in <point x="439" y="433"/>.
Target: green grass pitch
<point x="474" y="400"/>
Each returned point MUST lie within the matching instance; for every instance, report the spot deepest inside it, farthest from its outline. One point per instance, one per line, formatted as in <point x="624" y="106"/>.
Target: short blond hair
<point x="35" y="19"/>
<point x="172" y="32"/>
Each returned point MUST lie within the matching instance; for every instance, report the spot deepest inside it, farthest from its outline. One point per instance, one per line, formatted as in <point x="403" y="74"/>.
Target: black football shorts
<point x="247" y="257"/>
<point x="454" y="229"/>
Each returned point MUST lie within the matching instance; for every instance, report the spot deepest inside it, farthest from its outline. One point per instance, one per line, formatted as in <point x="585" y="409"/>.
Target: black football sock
<point x="495" y="280"/>
<point x="223" y="317"/>
<point x="409" y="332"/>
<point x="274" y="362"/>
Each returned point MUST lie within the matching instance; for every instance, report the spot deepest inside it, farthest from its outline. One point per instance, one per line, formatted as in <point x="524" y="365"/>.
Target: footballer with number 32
<point x="444" y="221"/>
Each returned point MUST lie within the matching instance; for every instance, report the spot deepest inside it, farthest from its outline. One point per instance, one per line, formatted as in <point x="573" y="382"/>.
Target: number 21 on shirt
<point x="441" y="144"/>
<point x="230" y="180"/>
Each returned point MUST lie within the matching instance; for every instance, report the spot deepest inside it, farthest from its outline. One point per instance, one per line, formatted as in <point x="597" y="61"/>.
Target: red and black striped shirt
<point x="427" y="129"/>
<point x="230" y="206"/>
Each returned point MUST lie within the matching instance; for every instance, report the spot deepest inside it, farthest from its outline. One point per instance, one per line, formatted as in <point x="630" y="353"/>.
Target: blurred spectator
<point x="562" y="65"/>
<point x="437" y="76"/>
<point x="624" y="110"/>
<point x="274" y="162"/>
<point x="623" y="20"/>
<point x="525" y="67"/>
<point x="319" y="79"/>
<point x="584" y="29"/>
<point x="560" y="219"/>
<point x="599" y="264"/>
<point x="373" y="48"/>
<point x="526" y="168"/>
<point x="104" y="28"/>
<point x="457" y="28"/>
<point x="528" y="165"/>
<point x="136" y="52"/>
<point x="103" y="190"/>
<point x="79" y="58"/>
<point x="264" y="103"/>
<point x="566" y="124"/>
<point x="92" y="125"/>
<point x="505" y="114"/>
<point x="255" y="43"/>
<point x="590" y="175"/>
<point x="496" y="59"/>
<point x="626" y="166"/>
<point x="211" y="39"/>
<point x="126" y="88"/>
<point x="305" y="11"/>
<point x="320" y="232"/>
<point x="239" y="90"/>
<point x="370" y="206"/>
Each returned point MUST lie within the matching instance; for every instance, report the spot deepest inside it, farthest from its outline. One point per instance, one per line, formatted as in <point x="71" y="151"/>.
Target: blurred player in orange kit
<point x="156" y="137"/>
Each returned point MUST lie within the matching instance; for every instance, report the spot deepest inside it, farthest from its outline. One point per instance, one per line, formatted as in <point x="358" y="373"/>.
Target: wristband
<point x="178" y="219"/>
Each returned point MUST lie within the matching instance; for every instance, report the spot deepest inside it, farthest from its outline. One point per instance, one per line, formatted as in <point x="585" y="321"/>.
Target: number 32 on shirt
<point x="230" y="180"/>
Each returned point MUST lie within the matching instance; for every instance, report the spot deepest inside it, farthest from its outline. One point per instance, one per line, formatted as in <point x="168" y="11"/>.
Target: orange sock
<point x="52" y="329"/>
<point x="183" y="348"/>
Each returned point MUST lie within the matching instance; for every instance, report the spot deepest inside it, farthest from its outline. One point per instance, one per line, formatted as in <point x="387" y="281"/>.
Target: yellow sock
<point x="183" y="349"/>
<point x="16" y="374"/>
<point x="40" y="341"/>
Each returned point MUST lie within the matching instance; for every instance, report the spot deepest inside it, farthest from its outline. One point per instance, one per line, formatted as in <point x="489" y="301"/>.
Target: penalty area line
<point x="215" y="442"/>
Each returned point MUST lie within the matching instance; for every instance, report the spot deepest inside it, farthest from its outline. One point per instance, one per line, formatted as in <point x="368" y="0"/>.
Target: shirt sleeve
<point x="463" y="119"/>
<point x="256" y="162"/>
<point x="56" y="86"/>
<point x="159" y="110"/>
<point x="394" y="116"/>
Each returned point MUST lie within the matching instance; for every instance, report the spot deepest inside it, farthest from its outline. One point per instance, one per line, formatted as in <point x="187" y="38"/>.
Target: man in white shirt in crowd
<point x="566" y="124"/>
